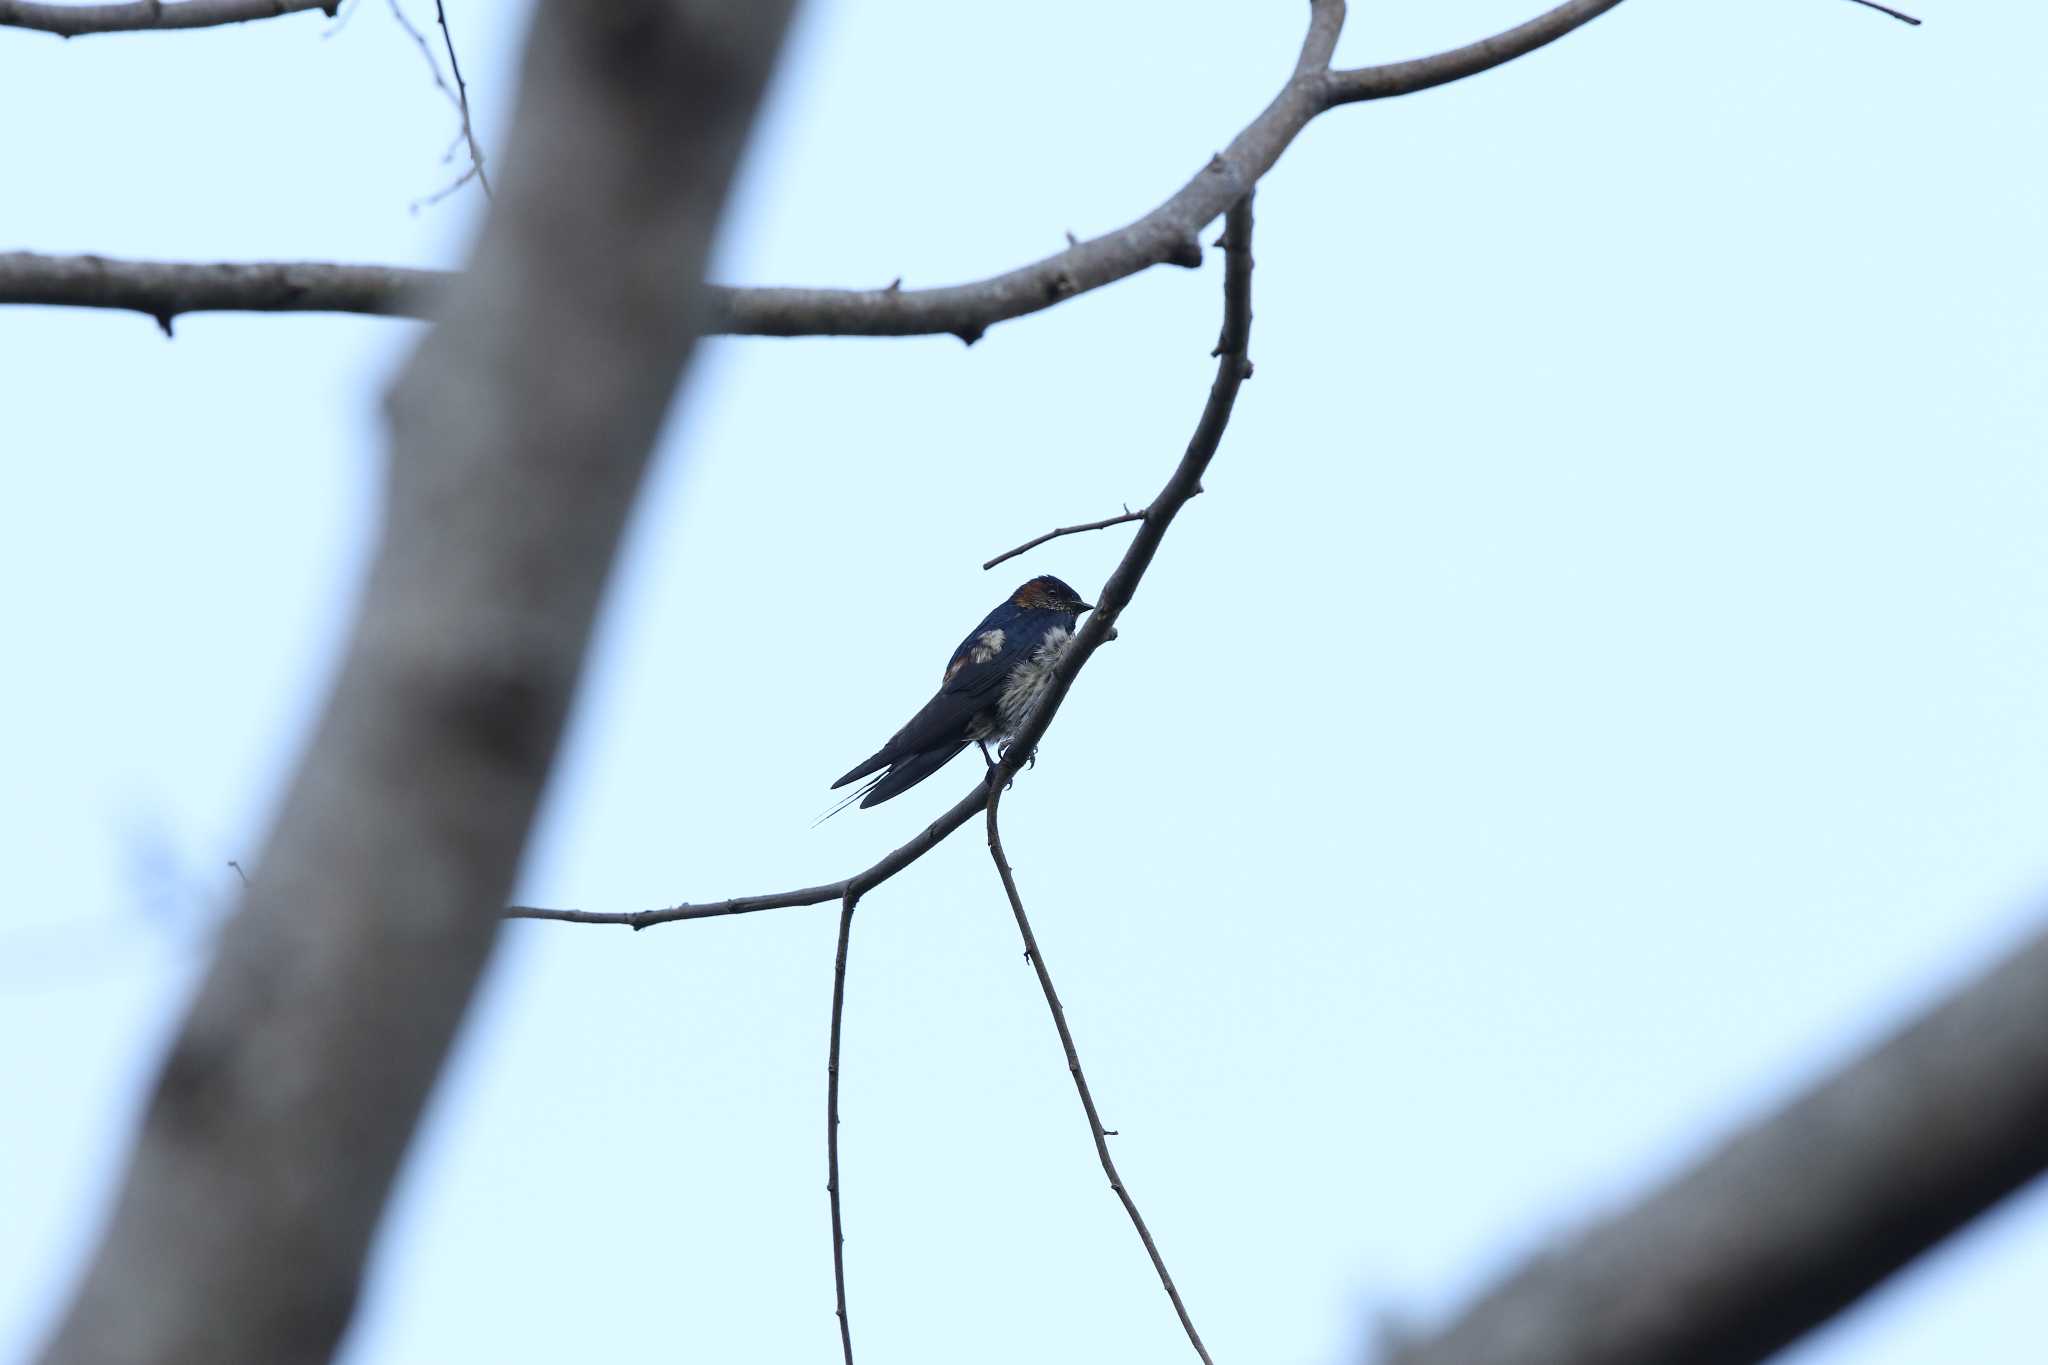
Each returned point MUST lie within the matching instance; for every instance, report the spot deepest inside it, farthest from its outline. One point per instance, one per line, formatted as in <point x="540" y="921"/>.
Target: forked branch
<point x="1168" y="234"/>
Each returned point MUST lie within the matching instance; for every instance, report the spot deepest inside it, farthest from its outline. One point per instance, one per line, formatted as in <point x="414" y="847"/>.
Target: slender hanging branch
<point x="476" y="152"/>
<point x="1096" y="1131"/>
<point x="832" y="1123"/>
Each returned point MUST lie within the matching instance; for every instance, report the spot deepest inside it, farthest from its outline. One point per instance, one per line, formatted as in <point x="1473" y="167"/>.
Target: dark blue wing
<point x="972" y="685"/>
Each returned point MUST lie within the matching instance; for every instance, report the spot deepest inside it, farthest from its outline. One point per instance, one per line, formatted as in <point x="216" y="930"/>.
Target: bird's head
<point x="1046" y="593"/>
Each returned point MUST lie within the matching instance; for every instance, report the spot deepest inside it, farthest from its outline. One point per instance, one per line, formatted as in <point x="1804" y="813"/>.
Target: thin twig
<point x="438" y="195"/>
<point x="426" y="50"/>
<point x="1033" y="544"/>
<point x="476" y="153"/>
<point x="832" y="1122"/>
<point x="858" y="885"/>
<point x="1887" y="9"/>
<point x="1096" y="1131"/>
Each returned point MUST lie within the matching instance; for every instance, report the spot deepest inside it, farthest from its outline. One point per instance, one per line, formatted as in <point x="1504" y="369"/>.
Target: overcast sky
<point x="1599" y="691"/>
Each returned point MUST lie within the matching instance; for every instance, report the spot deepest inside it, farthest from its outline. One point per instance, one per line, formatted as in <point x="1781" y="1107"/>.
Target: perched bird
<point x="994" y="679"/>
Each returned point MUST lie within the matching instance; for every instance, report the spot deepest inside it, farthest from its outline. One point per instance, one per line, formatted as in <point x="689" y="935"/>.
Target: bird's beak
<point x="1085" y="606"/>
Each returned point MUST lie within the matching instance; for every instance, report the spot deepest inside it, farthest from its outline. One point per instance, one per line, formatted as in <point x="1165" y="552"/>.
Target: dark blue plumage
<point x="991" y="683"/>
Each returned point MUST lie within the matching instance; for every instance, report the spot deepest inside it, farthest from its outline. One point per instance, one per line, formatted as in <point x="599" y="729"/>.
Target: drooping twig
<point x="846" y="908"/>
<point x="72" y="21"/>
<point x="1167" y="234"/>
<point x="458" y="100"/>
<point x="419" y="40"/>
<point x="476" y="153"/>
<point x="1096" y="1131"/>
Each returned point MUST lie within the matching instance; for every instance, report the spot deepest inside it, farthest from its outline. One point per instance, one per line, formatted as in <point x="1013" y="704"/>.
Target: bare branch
<point x="1100" y="627"/>
<point x="476" y="153"/>
<point x="1325" y="23"/>
<point x="419" y="40"/>
<point x="856" y="886"/>
<point x="1037" y="541"/>
<point x="846" y="908"/>
<point x="1405" y="78"/>
<point x="72" y="21"/>
<point x="1233" y="368"/>
<point x="1096" y="1131"/>
<point x="1887" y="9"/>
<point x="163" y="289"/>
<point x="1168" y="234"/>
<point x="519" y="433"/>
<point x="1797" y="1216"/>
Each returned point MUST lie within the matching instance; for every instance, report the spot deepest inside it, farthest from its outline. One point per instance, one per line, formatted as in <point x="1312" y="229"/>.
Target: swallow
<point x="991" y="683"/>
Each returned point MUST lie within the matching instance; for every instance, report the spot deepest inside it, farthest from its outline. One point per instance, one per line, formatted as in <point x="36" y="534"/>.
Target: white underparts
<point x="1029" y="680"/>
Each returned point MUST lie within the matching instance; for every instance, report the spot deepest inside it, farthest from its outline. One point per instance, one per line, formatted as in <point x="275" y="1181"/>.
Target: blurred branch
<point x="519" y="432"/>
<point x="457" y="96"/>
<point x="72" y="21"/>
<point x="1800" y="1214"/>
<point x="1167" y="234"/>
<point x="476" y="152"/>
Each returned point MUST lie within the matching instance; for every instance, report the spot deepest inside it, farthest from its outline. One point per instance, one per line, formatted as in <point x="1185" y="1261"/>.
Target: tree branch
<point x="476" y="152"/>
<point x="164" y="289"/>
<point x="1795" y="1217"/>
<point x="1887" y="9"/>
<point x="1423" y="73"/>
<point x="72" y="21"/>
<point x="1096" y="1131"/>
<point x="519" y="432"/>
<point x="1185" y="483"/>
<point x="1167" y="234"/>
<point x="1055" y="534"/>
<point x="846" y="909"/>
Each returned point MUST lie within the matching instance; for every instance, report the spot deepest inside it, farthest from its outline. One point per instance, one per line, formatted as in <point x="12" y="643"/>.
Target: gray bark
<point x="519" y="433"/>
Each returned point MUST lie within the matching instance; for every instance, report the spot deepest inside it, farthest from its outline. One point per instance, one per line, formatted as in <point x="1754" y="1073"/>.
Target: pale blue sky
<point x="1600" y="689"/>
